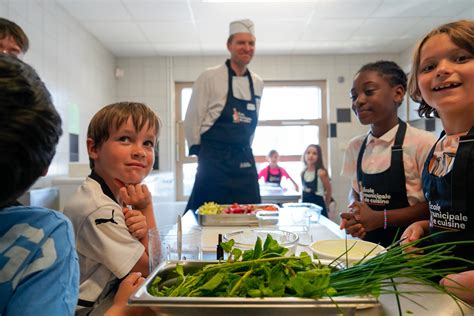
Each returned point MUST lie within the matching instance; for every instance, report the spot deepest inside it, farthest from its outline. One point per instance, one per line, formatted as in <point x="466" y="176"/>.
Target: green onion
<point x="265" y="271"/>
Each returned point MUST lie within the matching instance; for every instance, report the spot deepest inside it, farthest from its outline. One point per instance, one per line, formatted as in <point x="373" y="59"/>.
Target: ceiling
<point x="200" y="27"/>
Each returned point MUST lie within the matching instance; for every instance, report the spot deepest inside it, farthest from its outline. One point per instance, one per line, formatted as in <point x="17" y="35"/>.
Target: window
<point x="292" y="116"/>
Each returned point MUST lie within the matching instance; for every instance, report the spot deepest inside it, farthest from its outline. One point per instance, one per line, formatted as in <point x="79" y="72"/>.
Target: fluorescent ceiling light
<point x="260" y="1"/>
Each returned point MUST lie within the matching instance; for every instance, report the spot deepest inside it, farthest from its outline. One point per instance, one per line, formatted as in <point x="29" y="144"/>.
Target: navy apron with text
<point x="451" y="199"/>
<point x="226" y="171"/>
<point x="309" y="193"/>
<point x="273" y="178"/>
<point x="387" y="189"/>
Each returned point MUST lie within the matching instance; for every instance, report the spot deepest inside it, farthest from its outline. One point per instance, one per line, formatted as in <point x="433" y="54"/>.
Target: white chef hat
<point x="241" y="26"/>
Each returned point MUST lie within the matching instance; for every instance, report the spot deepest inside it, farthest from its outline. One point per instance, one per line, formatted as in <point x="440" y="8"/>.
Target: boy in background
<point x="13" y="40"/>
<point x="111" y="212"/>
<point x="37" y="249"/>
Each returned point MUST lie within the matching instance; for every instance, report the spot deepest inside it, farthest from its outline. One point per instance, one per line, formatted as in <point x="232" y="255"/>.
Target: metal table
<point x="432" y="302"/>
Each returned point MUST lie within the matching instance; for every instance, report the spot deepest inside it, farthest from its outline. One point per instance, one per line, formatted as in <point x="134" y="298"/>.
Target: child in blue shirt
<point x="39" y="270"/>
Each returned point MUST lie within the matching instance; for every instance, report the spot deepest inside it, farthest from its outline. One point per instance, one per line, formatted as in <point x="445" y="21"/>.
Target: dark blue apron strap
<point x="230" y="90"/>
<point x="462" y="169"/>
<point x="359" y="159"/>
<point x="396" y="149"/>
<point x="397" y="168"/>
<point x="429" y="191"/>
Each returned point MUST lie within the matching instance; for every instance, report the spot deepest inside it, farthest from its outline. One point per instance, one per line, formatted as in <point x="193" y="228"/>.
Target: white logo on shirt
<point x="17" y="255"/>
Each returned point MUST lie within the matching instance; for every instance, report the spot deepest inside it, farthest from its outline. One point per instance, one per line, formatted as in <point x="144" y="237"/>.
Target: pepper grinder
<point x="219" y="249"/>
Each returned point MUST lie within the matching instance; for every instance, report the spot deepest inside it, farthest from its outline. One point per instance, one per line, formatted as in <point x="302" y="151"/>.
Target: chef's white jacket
<point x="209" y="97"/>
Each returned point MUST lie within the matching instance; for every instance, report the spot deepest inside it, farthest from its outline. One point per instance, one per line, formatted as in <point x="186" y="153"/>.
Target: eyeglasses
<point x="16" y="54"/>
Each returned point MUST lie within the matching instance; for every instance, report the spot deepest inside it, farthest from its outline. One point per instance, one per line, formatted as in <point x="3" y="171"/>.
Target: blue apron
<point x="387" y="189"/>
<point x="451" y="199"/>
<point x="309" y="192"/>
<point x="273" y="178"/>
<point x="226" y="170"/>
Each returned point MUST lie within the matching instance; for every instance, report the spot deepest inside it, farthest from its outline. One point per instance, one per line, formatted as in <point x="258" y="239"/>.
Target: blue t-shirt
<point x="39" y="269"/>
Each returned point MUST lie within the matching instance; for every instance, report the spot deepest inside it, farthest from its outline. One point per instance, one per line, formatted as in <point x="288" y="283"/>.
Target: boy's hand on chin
<point x="136" y="223"/>
<point x="136" y="195"/>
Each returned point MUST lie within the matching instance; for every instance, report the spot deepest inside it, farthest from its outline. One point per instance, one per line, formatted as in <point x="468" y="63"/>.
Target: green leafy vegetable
<point x="265" y="271"/>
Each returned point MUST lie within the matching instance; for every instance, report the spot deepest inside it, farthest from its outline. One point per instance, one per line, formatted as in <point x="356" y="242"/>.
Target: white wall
<point x="79" y="72"/>
<point x="151" y="80"/>
<point x="77" y="69"/>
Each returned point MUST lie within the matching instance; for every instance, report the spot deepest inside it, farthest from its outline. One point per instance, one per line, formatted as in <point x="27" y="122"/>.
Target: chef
<point x="220" y="122"/>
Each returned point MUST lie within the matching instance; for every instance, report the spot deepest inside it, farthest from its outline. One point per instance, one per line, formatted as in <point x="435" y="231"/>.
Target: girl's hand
<point x="136" y="195"/>
<point x="352" y="225"/>
<point x="366" y="216"/>
<point x="136" y="223"/>
<point x="413" y="232"/>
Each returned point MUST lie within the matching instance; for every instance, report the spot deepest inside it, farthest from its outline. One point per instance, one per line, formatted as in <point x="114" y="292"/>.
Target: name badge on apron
<point x="251" y="107"/>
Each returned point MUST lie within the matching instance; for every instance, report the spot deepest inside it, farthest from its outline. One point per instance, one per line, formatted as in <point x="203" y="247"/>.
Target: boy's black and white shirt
<point x="106" y="249"/>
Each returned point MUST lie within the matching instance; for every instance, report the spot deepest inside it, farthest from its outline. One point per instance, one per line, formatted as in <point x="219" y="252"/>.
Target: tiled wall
<point x="79" y="72"/>
<point x="152" y="80"/>
<point x="77" y="69"/>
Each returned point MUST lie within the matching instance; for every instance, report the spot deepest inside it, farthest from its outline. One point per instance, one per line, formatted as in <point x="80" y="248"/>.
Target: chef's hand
<point x="136" y="222"/>
<point x="350" y="223"/>
<point x="136" y="195"/>
<point x="414" y="232"/>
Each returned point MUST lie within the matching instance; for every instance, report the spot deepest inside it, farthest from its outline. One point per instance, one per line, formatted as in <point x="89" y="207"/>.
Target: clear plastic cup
<point x="163" y="245"/>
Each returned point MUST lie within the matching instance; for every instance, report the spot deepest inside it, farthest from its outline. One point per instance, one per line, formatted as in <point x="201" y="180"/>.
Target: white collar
<point x="387" y="137"/>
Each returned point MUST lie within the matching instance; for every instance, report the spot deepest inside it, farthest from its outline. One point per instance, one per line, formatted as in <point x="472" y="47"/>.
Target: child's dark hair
<point x="115" y="115"/>
<point x="9" y="28"/>
<point x="461" y="33"/>
<point x="272" y="152"/>
<point x="319" y="163"/>
<point x="30" y="128"/>
<point x="389" y="70"/>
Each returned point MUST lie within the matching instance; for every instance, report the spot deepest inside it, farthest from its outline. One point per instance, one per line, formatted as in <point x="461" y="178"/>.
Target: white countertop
<point x="432" y="302"/>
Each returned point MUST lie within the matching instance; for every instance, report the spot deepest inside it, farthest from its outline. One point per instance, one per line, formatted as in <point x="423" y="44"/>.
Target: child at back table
<point x="273" y="173"/>
<point x="315" y="179"/>
<point x="121" y="140"/>
<point x="442" y="81"/>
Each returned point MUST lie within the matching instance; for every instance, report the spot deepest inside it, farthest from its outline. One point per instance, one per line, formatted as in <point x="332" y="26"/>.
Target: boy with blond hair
<point x="112" y="211"/>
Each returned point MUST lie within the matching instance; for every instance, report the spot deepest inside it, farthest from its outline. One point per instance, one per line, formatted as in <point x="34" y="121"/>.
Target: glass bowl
<point x="246" y="239"/>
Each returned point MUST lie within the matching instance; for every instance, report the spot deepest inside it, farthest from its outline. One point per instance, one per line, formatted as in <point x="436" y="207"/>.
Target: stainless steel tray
<point x="231" y="219"/>
<point x="209" y="306"/>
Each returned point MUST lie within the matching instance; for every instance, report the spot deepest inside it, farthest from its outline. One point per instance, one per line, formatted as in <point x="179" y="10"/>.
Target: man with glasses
<point x="13" y="40"/>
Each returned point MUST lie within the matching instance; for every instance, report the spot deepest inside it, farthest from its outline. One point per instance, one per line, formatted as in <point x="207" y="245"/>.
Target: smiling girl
<point x="384" y="165"/>
<point x="442" y="82"/>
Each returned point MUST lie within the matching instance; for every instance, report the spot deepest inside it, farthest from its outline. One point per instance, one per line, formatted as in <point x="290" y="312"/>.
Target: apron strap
<point x="430" y="190"/>
<point x="397" y="168"/>
<point x="397" y="151"/>
<point x="231" y="74"/>
<point x="462" y="169"/>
